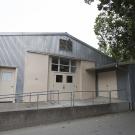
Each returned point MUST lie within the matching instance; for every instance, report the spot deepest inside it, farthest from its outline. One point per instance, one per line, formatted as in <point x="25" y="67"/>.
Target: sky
<point x="72" y="16"/>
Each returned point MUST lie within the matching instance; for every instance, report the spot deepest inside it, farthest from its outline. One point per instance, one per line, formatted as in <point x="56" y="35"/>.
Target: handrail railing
<point x="72" y="95"/>
<point x="28" y="93"/>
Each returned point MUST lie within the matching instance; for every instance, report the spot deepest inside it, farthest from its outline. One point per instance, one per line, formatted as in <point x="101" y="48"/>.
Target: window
<point x="73" y="69"/>
<point x="73" y="63"/>
<point x="54" y="67"/>
<point x="69" y="79"/>
<point x="64" y="68"/>
<point x="64" y="61"/>
<point x="65" y="45"/>
<point x="63" y="65"/>
<point x="59" y="78"/>
<point x="73" y="66"/>
<point x="55" y="61"/>
<point x="7" y="76"/>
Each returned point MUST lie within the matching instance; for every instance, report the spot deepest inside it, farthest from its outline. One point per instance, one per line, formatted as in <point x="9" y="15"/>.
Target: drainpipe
<point x="96" y="83"/>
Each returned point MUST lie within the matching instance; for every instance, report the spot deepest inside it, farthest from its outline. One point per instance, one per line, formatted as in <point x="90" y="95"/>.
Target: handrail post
<point x="30" y="98"/>
<point x="92" y="97"/>
<point x="58" y="97"/>
<point x="110" y="97"/>
<point x="50" y="94"/>
<point x="37" y="100"/>
<point x="71" y="99"/>
<point x="47" y="96"/>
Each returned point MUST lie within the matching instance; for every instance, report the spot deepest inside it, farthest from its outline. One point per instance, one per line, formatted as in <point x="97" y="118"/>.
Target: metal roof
<point x="31" y="33"/>
<point x="112" y="66"/>
<point x="14" y="45"/>
<point x="50" y="34"/>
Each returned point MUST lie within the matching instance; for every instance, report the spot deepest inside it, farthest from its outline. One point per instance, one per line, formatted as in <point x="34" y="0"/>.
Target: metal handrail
<point x="58" y="93"/>
<point x="50" y="92"/>
<point x="27" y="93"/>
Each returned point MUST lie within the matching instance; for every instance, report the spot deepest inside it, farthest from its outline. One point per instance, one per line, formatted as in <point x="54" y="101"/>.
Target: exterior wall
<point x="132" y="82"/>
<point x="61" y="87"/>
<point x="36" y="74"/>
<point x="123" y="83"/>
<point x="8" y="86"/>
<point x="83" y="80"/>
<point x="107" y="81"/>
<point x="126" y="82"/>
<point x="78" y="85"/>
<point x="14" y="46"/>
<point x="87" y="79"/>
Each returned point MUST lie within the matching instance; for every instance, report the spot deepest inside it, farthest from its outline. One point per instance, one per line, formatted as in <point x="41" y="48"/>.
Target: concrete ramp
<point x="26" y="118"/>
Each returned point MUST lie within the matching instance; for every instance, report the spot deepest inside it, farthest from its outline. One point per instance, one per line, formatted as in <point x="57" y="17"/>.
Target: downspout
<point x="131" y="107"/>
<point x="96" y="83"/>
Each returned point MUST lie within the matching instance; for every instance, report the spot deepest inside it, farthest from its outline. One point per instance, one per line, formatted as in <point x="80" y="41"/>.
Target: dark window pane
<point x="59" y="78"/>
<point x="64" y="68"/>
<point x="65" y="45"/>
<point x="62" y="45"/>
<point x="54" y="67"/>
<point x="73" y="63"/>
<point x="69" y="79"/>
<point x="73" y="69"/>
<point x="64" y="61"/>
<point x="55" y="60"/>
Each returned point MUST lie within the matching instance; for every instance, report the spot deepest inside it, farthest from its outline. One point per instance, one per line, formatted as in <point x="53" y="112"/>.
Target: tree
<point x="115" y="28"/>
<point x="109" y="30"/>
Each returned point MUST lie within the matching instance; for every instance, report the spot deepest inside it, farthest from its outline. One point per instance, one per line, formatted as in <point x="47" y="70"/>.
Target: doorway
<point x="7" y="83"/>
<point x="65" y="84"/>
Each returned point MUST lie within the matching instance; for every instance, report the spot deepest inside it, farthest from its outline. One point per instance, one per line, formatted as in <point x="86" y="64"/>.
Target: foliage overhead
<point x="115" y="28"/>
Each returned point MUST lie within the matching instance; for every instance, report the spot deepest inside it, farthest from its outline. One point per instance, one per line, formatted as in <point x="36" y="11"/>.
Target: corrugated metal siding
<point x="13" y="49"/>
<point x="132" y="81"/>
<point x="123" y="83"/>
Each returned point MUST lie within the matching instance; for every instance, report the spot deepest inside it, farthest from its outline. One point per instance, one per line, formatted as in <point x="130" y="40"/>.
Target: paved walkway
<point x="4" y="107"/>
<point x="115" y="124"/>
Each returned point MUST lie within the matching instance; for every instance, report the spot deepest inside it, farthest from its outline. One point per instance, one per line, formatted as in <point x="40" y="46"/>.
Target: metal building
<point x="32" y="62"/>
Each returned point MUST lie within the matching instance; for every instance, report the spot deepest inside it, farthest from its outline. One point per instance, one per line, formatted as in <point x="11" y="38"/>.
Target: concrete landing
<point x="6" y="107"/>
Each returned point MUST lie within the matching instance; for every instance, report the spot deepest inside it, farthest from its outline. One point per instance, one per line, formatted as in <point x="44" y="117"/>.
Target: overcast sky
<point x="72" y="16"/>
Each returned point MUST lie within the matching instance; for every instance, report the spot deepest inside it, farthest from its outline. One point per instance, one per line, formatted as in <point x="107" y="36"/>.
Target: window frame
<point x="6" y="78"/>
<point x="59" y="65"/>
<point x="65" y="45"/>
<point x="54" y="65"/>
<point x="67" y="79"/>
<point x="61" y="79"/>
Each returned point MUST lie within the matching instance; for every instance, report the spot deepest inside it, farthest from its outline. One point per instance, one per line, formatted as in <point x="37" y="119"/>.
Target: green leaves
<point x="115" y="28"/>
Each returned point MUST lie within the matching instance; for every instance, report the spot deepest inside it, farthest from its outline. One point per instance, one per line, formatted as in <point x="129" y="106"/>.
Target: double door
<point x="65" y="84"/>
